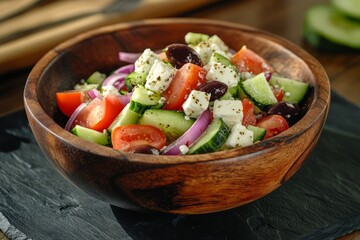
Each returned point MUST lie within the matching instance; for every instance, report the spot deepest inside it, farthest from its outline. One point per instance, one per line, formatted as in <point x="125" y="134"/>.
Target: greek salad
<point x="190" y="98"/>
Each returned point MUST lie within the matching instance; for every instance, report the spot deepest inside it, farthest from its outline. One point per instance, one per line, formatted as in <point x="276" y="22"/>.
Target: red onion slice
<point x="116" y="80"/>
<point x="125" y="99"/>
<point x="73" y="116"/>
<point x="129" y="57"/>
<point x="191" y="135"/>
<point x="125" y="69"/>
<point x="267" y="75"/>
<point x="93" y="93"/>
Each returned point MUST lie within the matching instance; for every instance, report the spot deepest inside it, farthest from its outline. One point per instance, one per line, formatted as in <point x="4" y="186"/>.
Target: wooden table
<point x="281" y="17"/>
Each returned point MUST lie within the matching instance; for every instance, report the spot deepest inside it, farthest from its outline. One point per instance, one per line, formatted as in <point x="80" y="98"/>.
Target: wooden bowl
<point x="175" y="184"/>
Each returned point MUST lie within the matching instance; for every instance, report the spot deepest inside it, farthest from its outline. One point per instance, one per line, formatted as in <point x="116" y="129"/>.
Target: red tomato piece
<point x="248" y="61"/>
<point x="100" y="113"/>
<point x="186" y="79"/>
<point x="248" y="110"/>
<point x="274" y="124"/>
<point x="130" y="137"/>
<point x="279" y="94"/>
<point x="163" y="56"/>
<point x="68" y="101"/>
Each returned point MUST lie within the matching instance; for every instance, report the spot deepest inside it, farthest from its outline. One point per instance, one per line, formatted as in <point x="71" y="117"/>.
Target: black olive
<point x="180" y="54"/>
<point x="290" y="111"/>
<point x="215" y="88"/>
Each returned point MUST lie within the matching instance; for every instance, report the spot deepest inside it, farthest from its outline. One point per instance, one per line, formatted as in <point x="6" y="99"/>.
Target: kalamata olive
<point x="215" y="88"/>
<point x="180" y="54"/>
<point x="290" y="111"/>
<point x="147" y="149"/>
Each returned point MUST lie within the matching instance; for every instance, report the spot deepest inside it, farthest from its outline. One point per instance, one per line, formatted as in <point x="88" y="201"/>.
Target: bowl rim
<point x="318" y="107"/>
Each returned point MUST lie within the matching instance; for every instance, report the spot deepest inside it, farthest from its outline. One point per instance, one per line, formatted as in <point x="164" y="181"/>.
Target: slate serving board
<point x="321" y="201"/>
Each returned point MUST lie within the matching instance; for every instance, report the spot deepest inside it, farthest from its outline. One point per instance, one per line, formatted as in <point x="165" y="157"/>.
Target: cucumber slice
<point x="173" y="123"/>
<point x="143" y="99"/>
<point x="227" y="96"/>
<point x="91" y="135"/>
<point x="259" y="91"/>
<point x="350" y="8"/>
<point x="218" y="58"/>
<point x="322" y="23"/>
<point x="258" y="133"/>
<point x="234" y="91"/>
<point x="96" y="78"/>
<point x="125" y="117"/>
<point x="195" y="38"/>
<point x="135" y="79"/>
<point x="212" y="139"/>
<point x="295" y="91"/>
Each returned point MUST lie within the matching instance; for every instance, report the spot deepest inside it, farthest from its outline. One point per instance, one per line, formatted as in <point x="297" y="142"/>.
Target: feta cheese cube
<point x="196" y="103"/>
<point x="215" y="39"/>
<point x="145" y="61"/>
<point x="109" y="90"/>
<point x="222" y="73"/>
<point x="206" y="49"/>
<point x="184" y="149"/>
<point x="159" y="77"/>
<point x="230" y="111"/>
<point x="239" y="136"/>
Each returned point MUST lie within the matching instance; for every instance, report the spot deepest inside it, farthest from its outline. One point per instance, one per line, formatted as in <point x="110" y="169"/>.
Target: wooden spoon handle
<point x="25" y="51"/>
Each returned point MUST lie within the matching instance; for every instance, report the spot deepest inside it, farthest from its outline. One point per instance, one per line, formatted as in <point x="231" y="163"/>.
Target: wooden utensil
<point x="26" y="50"/>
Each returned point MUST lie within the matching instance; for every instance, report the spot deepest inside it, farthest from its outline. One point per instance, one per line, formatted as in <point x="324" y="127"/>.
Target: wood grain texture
<point x="177" y="184"/>
<point x="10" y="8"/>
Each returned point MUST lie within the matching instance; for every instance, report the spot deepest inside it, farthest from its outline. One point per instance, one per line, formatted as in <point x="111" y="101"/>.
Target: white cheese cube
<point x="230" y="111"/>
<point x="222" y="73"/>
<point x="206" y="49"/>
<point x="145" y="61"/>
<point x="219" y="42"/>
<point x="184" y="149"/>
<point x="109" y="90"/>
<point x="159" y="77"/>
<point x="239" y="136"/>
<point x="196" y="103"/>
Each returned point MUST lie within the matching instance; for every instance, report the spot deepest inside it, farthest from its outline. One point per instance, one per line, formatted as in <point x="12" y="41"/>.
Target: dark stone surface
<point x="322" y="200"/>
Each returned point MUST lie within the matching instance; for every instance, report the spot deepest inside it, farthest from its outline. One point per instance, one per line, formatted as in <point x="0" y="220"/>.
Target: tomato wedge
<point x="130" y="137"/>
<point x="248" y="61"/>
<point x="100" y="113"/>
<point x="186" y="79"/>
<point x="279" y="94"/>
<point x="274" y="124"/>
<point x="248" y="110"/>
<point x="68" y="101"/>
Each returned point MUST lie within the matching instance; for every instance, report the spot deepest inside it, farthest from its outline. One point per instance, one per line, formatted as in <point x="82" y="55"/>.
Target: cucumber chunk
<point x="212" y="139"/>
<point x="135" y="79"/>
<point x="143" y="99"/>
<point x="91" y="135"/>
<point x="259" y="91"/>
<point x="195" y="38"/>
<point x="173" y="123"/>
<point x="258" y="133"/>
<point x="322" y="23"/>
<point x="96" y="78"/>
<point x="295" y="91"/>
<point x="350" y="8"/>
<point x="218" y="58"/>
<point x="125" y="117"/>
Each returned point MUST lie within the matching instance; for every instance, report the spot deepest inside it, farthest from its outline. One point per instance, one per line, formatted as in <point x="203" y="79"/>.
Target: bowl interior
<point x="98" y="50"/>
